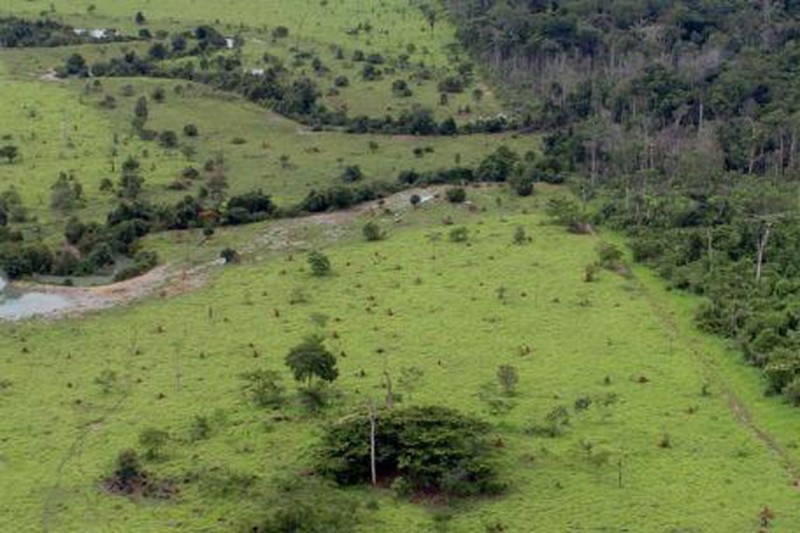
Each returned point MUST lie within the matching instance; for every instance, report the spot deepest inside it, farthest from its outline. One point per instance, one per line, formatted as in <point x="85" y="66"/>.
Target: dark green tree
<point x="310" y="359"/>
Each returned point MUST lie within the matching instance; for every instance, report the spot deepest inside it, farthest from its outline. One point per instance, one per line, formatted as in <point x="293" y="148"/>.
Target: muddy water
<point x="17" y="306"/>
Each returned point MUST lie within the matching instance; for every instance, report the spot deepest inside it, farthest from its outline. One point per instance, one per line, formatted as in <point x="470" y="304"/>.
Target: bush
<point x="352" y="173"/>
<point x="168" y="139"/>
<point x="433" y="449"/>
<point x="372" y="232"/>
<point x="609" y="256"/>
<point x="229" y="255"/>
<point x="520" y="237"/>
<point x="153" y="441"/>
<point x="508" y="377"/>
<point x="280" y="32"/>
<point x="522" y="183"/>
<point x="460" y="234"/>
<point x="264" y="388"/>
<point x="498" y="165"/>
<point x="451" y="84"/>
<point x="456" y="195"/>
<point x="319" y="263"/>
<point x="190" y="130"/>
<point x="143" y="261"/>
<point x="308" y="505"/>
<point x="401" y="89"/>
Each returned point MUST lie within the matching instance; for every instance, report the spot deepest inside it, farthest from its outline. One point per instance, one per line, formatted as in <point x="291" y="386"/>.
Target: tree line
<point x="676" y="122"/>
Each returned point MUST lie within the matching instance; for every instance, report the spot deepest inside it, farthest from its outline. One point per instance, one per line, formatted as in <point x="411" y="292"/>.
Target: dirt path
<point x="712" y="375"/>
<point x="171" y="280"/>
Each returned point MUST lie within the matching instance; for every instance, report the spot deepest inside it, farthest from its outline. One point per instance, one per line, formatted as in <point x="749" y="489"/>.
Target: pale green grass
<point x="446" y="320"/>
<point x="313" y="27"/>
<point x="55" y="133"/>
<point x="61" y="127"/>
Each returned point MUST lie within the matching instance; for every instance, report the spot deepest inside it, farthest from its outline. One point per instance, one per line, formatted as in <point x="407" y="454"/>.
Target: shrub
<point x="508" y="377"/>
<point x="520" y="237"/>
<point x="522" y="183"/>
<point x="498" y="165"/>
<point x="451" y="84"/>
<point x="459" y="235"/>
<point x="370" y="72"/>
<point x="456" y="195"/>
<point x="229" y="255"/>
<point x="319" y="263"/>
<point x="308" y="505"/>
<point x="200" y="428"/>
<point x="433" y="449"/>
<point x="372" y="232"/>
<point x="608" y="255"/>
<point x="159" y="94"/>
<point x="143" y="261"/>
<point x="590" y="273"/>
<point x="153" y="441"/>
<point x="168" y="139"/>
<point x="264" y="388"/>
<point x="190" y="130"/>
<point x="401" y="89"/>
<point x="352" y="173"/>
<point x="130" y="479"/>
<point x="254" y="203"/>
<point x="280" y="32"/>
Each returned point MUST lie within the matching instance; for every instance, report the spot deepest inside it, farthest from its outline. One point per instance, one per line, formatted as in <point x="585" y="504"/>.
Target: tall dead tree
<point x="373" y="423"/>
<point x="763" y="239"/>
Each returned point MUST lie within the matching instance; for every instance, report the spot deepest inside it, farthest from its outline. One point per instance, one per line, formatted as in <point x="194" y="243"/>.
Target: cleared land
<point x="400" y="304"/>
<point x="666" y="430"/>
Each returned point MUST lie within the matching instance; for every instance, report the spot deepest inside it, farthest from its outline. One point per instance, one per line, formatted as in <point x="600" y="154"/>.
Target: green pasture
<point x="61" y="127"/>
<point x="390" y="28"/>
<point x="413" y="301"/>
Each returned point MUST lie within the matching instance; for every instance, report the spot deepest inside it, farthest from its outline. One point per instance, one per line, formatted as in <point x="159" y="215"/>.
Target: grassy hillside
<point x="61" y="127"/>
<point x="391" y="29"/>
<point x="412" y="306"/>
<point x="624" y="417"/>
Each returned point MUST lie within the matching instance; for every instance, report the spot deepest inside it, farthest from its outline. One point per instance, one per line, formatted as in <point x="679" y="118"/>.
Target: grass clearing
<point x="660" y="427"/>
<point x="179" y="358"/>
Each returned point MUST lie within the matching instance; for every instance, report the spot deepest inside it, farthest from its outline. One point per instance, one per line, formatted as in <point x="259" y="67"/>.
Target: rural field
<point x="282" y="307"/>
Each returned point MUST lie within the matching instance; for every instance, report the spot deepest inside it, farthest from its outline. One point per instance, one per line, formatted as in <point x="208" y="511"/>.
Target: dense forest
<point x="678" y="123"/>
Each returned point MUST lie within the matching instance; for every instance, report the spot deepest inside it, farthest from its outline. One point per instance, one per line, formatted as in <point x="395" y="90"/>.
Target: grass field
<point x="60" y="127"/>
<point x="395" y="28"/>
<point x="180" y="358"/>
<point x="668" y="431"/>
